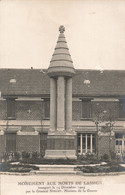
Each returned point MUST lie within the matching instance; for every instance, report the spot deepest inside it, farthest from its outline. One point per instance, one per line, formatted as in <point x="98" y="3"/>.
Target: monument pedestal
<point x="61" y="145"/>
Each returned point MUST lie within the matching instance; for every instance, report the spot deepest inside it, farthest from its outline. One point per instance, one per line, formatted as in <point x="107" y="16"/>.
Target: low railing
<point x="7" y="156"/>
<point x="17" y="156"/>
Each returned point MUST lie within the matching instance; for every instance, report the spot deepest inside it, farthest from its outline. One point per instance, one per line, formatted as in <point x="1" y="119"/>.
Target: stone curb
<point x="14" y="173"/>
<point x="80" y="173"/>
<point x="100" y="174"/>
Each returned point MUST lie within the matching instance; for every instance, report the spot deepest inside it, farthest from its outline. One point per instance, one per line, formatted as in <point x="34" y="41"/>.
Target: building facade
<point x="62" y="112"/>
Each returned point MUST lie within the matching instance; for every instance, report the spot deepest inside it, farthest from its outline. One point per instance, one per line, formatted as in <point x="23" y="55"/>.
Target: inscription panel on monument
<point x="61" y="144"/>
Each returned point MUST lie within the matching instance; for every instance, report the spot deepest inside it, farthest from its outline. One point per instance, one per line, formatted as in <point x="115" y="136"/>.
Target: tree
<point x="98" y="118"/>
<point x="108" y="118"/>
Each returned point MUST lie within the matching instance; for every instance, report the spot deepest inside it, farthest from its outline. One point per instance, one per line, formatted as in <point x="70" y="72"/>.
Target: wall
<point x="34" y="110"/>
<point x="25" y="142"/>
<point x="25" y="110"/>
<point x="2" y="145"/>
<point x="111" y="108"/>
<point x="29" y="110"/>
<point x="76" y="110"/>
<point x="28" y="143"/>
<point x="2" y="110"/>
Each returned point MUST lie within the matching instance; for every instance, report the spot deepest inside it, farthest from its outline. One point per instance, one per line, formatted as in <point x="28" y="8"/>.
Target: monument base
<point x="60" y="154"/>
<point x="61" y="145"/>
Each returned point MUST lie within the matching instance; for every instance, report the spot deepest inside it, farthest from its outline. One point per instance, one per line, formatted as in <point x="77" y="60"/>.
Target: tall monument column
<point x="69" y="104"/>
<point x="61" y="139"/>
<point x="53" y="104"/>
<point x="60" y="103"/>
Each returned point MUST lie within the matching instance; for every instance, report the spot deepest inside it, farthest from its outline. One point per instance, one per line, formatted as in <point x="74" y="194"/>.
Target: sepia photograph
<point x="62" y="97"/>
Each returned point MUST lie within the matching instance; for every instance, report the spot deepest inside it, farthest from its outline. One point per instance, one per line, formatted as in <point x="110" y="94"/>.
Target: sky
<point x="94" y="30"/>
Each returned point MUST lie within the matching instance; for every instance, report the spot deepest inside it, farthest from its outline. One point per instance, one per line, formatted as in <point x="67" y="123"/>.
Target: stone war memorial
<point x="61" y="138"/>
<point x="62" y="112"/>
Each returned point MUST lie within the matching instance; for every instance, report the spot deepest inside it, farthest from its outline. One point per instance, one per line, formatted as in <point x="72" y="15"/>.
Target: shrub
<point x="119" y="158"/>
<point x="109" y="167"/>
<point x="35" y="155"/>
<point x="105" y="157"/>
<point x="17" y="168"/>
<point x="25" y="156"/>
<point x="17" y="156"/>
<point x="123" y="158"/>
<point x="113" y="155"/>
<point x="81" y="157"/>
<point x="4" y="166"/>
<point x="90" y="156"/>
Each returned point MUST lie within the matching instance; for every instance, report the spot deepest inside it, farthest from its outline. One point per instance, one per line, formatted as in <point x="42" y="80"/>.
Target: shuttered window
<point x="10" y="142"/>
<point x="86" y="109"/>
<point x="10" y="108"/>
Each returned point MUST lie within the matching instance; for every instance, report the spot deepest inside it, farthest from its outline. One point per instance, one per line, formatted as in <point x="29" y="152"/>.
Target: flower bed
<point x="109" y="167"/>
<point x="7" y="167"/>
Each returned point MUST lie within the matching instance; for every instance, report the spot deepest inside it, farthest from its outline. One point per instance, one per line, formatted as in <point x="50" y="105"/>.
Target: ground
<point x="58" y="184"/>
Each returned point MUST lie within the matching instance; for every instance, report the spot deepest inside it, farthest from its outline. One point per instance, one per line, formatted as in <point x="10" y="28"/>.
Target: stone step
<point x="56" y="168"/>
<point x="53" y="172"/>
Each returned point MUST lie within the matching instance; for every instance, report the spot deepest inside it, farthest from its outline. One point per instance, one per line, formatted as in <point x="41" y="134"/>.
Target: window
<point x="122" y="109"/>
<point x="120" y="143"/>
<point x="47" y="109"/>
<point x="86" y="143"/>
<point x="10" y="108"/>
<point x="86" y="109"/>
<point x="10" y="142"/>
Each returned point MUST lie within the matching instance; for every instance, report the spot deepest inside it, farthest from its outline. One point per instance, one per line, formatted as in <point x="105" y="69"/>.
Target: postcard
<point x="62" y="97"/>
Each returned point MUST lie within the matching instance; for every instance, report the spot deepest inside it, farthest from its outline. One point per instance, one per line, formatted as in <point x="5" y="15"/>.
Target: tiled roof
<point x="28" y="82"/>
<point x="93" y="82"/>
<point x="85" y="82"/>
